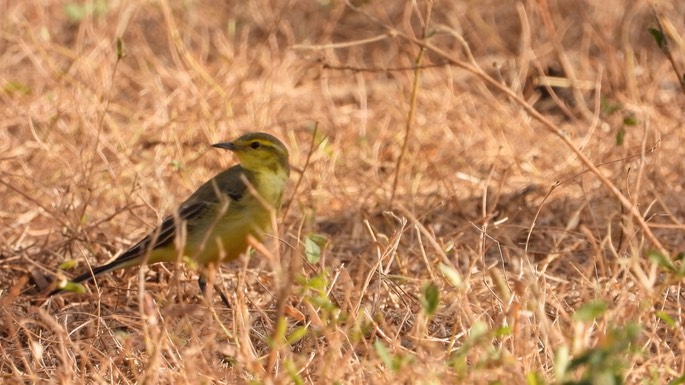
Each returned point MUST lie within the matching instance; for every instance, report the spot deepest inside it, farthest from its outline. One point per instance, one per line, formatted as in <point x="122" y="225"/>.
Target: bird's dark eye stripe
<point x="255" y="145"/>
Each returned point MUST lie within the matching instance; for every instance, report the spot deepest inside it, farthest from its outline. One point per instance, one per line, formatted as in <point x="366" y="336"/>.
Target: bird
<point x="220" y="216"/>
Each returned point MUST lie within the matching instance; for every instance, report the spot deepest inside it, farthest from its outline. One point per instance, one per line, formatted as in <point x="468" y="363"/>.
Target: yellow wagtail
<point x="221" y="215"/>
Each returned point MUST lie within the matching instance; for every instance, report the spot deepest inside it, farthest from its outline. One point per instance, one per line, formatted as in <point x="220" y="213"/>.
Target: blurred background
<point x="109" y="108"/>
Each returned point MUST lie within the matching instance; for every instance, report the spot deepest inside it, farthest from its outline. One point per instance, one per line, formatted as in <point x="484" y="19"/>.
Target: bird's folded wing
<point x="165" y="234"/>
<point x="198" y="205"/>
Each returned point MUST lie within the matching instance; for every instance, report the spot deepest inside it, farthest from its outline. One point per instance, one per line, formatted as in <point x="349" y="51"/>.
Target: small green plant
<point x="77" y="12"/>
<point x="393" y="361"/>
<point x="313" y="246"/>
<point x="17" y="88"/>
<point x="315" y="291"/>
<point x="662" y="42"/>
<point x="609" y="108"/>
<point x="675" y="266"/>
<point x="603" y="364"/>
<point x="430" y="298"/>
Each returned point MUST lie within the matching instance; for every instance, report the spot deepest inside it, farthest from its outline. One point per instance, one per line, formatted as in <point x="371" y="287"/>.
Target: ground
<point x="482" y="192"/>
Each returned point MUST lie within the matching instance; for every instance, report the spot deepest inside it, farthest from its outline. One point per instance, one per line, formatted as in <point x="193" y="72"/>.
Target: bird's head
<point x="259" y="152"/>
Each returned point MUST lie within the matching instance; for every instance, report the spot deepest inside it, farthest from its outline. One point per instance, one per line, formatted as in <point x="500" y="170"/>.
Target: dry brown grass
<point x="492" y="207"/>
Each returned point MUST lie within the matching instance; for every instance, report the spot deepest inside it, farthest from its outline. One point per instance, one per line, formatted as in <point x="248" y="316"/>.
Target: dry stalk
<point x="547" y="124"/>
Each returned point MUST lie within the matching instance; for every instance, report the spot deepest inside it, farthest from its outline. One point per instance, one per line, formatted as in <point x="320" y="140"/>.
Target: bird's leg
<point x="224" y="299"/>
<point x="202" y="282"/>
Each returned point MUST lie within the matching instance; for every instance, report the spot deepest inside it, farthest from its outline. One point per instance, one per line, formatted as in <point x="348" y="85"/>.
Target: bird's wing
<point x="199" y="204"/>
<point x="203" y="202"/>
<point x="164" y="234"/>
<point x="228" y="182"/>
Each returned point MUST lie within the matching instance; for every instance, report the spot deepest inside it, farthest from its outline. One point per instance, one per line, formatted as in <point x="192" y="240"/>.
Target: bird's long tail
<point x="125" y="260"/>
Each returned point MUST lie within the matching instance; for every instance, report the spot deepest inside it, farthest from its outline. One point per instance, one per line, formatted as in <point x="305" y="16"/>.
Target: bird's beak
<point x="226" y="146"/>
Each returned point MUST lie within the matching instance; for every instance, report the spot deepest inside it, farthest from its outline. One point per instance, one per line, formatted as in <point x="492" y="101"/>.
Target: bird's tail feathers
<point x="124" y="260"/>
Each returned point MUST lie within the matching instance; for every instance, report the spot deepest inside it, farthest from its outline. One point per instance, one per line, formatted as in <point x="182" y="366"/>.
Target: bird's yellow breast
<point x="270" y="187"/>
<point x="227" y="235"/>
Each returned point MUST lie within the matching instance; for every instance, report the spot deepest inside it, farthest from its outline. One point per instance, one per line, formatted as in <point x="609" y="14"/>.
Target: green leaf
<point x="279" y="332"/>
<point x="478" y="330"/>
<point x="120" y="48"/>
<point x="451" y="275"/>
<point x="17" y="88"/>
<point x="620" y="135"/>
<point x="100" y="7"/>
<point x="430" y="298"/>
<point x="661" y="260"/>
<point x="562" y="359"/>
<point x="607" y="107"/>
<point x="503" y="331"/>
<point x="605" y="362"/>
<point x="71" y="287"/>
<point x="594" y="355"/>
<point x="630" y="120"/>
<point x="317" y="283"/>
<point x="666" y="318"/>
<point x="383" y="353"/>
<point x="392" y="361"/>
<point x="590" y="311"/>
<point x="68" y="264"/>
<point x="678" y="381"/>
<point x="293" y="372"/>
<point x="321" y="301"/>
<point x="659" y="38"/>
<point x="534" y="378"/>
<point x="313" y="244"/>
<point x="297" y="334"/>
<point x="74" y="12"/>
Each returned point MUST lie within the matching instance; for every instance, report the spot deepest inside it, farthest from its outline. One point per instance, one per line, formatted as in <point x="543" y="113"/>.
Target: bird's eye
<point x="255" y="145"/>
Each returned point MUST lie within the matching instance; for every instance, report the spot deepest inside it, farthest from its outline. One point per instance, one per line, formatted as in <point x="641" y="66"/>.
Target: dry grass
<point x="537" y="259"/>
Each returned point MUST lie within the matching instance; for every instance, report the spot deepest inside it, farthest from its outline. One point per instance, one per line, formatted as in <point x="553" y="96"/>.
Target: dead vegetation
<point x="515" y="216"/>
